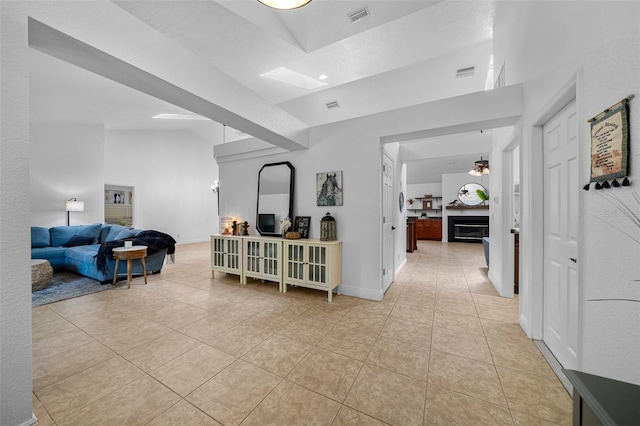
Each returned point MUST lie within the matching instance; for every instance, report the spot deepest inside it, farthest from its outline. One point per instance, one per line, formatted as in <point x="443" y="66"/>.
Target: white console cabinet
<point x="313" y="264"/>
<point x="306" y="263"/>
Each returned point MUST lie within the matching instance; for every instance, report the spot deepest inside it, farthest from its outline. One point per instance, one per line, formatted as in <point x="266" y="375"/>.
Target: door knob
<point x="393" y="228"/>
<point x="574" y="260"/>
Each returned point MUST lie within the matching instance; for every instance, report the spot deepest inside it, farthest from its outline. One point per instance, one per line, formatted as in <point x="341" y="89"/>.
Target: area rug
<point x="66" y="285"/>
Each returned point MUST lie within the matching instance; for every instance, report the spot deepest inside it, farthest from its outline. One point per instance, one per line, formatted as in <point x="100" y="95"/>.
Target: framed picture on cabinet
<point x="301" y="224"/>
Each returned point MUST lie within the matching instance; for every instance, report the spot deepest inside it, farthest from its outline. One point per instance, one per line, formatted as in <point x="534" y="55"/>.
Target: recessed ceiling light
<point x="180" y="117"/>
<point x="284" y="4"/>
<point x="322" y="77"/>
<point x="285" y="75"/>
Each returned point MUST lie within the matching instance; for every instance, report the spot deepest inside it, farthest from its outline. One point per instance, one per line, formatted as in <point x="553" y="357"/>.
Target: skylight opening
<point x="180" y="117"/>
<point x="293" y="78"/>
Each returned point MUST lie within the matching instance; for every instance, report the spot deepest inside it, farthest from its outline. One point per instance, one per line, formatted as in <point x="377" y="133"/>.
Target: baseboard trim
<point x="32" y="421"/>
<point x="400" y="268"/>
<point x="555" y="365"/>
<point x="362" y="293"/>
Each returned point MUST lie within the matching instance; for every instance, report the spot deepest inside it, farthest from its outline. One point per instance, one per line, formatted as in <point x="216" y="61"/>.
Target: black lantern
<point x="328" y="228"/>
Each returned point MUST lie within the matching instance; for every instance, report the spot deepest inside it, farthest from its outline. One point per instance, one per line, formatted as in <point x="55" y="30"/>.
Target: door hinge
<point x="384" y="271"/>
<point x="384" y="167"/>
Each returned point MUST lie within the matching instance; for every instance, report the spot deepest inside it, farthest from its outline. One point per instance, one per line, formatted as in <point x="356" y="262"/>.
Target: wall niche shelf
<point x="427" y="203"/>
<point x="467" y="207"/>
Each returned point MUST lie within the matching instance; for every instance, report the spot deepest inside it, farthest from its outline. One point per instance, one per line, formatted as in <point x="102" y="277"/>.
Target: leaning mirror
<point x="468" y="194"/>
<point x="275" y="197"/>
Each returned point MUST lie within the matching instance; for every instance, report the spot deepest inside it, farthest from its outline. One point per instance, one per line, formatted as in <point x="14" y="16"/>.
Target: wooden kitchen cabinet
<point x="429" y="229"/>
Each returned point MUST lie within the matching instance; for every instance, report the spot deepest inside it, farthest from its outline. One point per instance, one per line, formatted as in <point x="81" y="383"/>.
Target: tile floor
<point x="441" y="348"/>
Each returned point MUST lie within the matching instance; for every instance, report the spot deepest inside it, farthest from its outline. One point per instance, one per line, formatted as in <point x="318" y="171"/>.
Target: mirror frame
<point x="289" y="210"/>
<point x="475" y="196"/>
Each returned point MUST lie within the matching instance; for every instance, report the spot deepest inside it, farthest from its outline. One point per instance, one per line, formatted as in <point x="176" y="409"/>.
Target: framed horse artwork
<point x="329" y="188"/>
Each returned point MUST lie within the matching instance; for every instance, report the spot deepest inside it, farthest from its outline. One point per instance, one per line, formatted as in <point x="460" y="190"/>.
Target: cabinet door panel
<point x="317" y="264"/>
<point x="295" y="262"/>
<point x="233" y="254"/>
<point x="253" y="256"/>
<point x="270" y="265"/>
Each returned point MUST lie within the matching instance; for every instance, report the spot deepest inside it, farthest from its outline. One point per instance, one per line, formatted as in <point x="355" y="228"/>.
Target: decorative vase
<point x="292" y="235"/>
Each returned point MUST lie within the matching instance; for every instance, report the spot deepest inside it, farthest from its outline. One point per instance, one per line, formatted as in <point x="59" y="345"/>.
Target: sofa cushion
<point x="79" y="240"/>
<point x="40" y="237"/>
<point x="60" y="235"/>
<point x="113" y="232"/>
<point x="104" y="231"/>
<point x="83" y="253"/>
<point x="127" y="233"/>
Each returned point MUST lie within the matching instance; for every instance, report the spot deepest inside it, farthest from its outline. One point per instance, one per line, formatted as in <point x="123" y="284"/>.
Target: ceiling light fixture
<point x="322" y="77"/>
<point x="284" y="4"/>
<point x="480" y="167"/>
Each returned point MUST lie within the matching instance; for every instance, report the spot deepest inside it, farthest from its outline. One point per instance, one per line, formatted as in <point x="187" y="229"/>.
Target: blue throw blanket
<point x="154" y="240"/>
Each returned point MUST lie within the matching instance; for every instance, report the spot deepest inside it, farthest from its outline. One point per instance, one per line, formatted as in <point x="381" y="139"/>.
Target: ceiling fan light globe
<point x="284" y="4"/>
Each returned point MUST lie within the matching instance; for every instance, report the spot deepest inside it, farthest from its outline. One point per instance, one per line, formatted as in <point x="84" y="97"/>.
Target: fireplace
<point x="468" y="229"/>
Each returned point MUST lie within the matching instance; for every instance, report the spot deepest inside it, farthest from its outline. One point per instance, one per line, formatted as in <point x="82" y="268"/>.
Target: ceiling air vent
<point x="332" y="105"/>
<point x="465" y="72"/>
<point x="358" y="15"/>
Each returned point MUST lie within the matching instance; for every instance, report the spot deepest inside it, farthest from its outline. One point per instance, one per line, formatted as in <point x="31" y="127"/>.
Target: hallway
<point x="441" y="348"/>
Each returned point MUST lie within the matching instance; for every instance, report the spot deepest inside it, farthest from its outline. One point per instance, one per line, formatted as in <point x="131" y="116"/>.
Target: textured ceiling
<point x="405" y="53"/>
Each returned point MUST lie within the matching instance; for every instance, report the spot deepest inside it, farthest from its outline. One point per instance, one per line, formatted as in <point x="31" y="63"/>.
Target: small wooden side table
<point x="129" y="254"/>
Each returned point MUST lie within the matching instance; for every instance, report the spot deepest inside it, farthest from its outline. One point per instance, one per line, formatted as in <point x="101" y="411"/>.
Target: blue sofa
<point x="74" y="248"/>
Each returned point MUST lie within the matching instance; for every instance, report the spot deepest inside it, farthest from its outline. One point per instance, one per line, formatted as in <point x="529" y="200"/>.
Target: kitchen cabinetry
<point x="313" y="264"/>
<point x="429" y="229"/>
<point x="412" y="236"/>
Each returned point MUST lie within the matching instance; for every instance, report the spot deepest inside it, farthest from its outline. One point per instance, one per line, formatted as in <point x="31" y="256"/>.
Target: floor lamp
<point x="73" y="205"/>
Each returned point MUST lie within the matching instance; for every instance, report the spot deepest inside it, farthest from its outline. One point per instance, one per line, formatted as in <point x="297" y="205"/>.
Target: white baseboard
<point x="495" y="282"/>
<point x="32" y="421"/>
<point x="554" y="364"/>
<point x="401" y="267"/>
<point x="206" y="240"/>
<point x="362" y="293"/>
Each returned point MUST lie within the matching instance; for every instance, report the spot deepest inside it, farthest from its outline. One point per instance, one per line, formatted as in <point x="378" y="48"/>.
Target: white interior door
<point x="387" y="222"/>
<point x="560" y="317"/>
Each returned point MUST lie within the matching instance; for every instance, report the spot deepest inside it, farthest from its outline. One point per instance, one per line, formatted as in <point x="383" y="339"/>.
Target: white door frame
<point x="392" y="219"/>
<point x="506" y="160"/>
<point x="532" y="213"/>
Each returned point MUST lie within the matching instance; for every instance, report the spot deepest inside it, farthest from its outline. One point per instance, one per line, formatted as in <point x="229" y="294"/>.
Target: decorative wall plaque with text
<point x="610" y="146"/>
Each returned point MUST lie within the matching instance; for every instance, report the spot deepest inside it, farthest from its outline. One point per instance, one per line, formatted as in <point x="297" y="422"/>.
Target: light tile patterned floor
<point x="441" y="349"/>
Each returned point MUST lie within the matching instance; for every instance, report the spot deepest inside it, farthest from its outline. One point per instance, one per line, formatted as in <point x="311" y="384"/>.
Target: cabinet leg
<point x="330" y="294"/>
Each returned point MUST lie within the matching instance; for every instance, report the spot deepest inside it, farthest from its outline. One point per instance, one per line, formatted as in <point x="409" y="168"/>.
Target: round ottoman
<point x="41" y="273"/>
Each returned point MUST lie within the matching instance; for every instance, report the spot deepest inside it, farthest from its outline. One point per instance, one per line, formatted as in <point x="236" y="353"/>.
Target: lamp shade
<point x="284" y="4"/>
<point x="74" y="205"/>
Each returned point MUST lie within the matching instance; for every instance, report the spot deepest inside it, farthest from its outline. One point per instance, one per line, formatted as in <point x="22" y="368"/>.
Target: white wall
<point x="358" y="220"/>
<point x="544" y="46"/>
<point x="66" y="161"/>
<point x="15" y="291"/>
<point x="451" y="184"/>
<point x="172" y="173"/>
